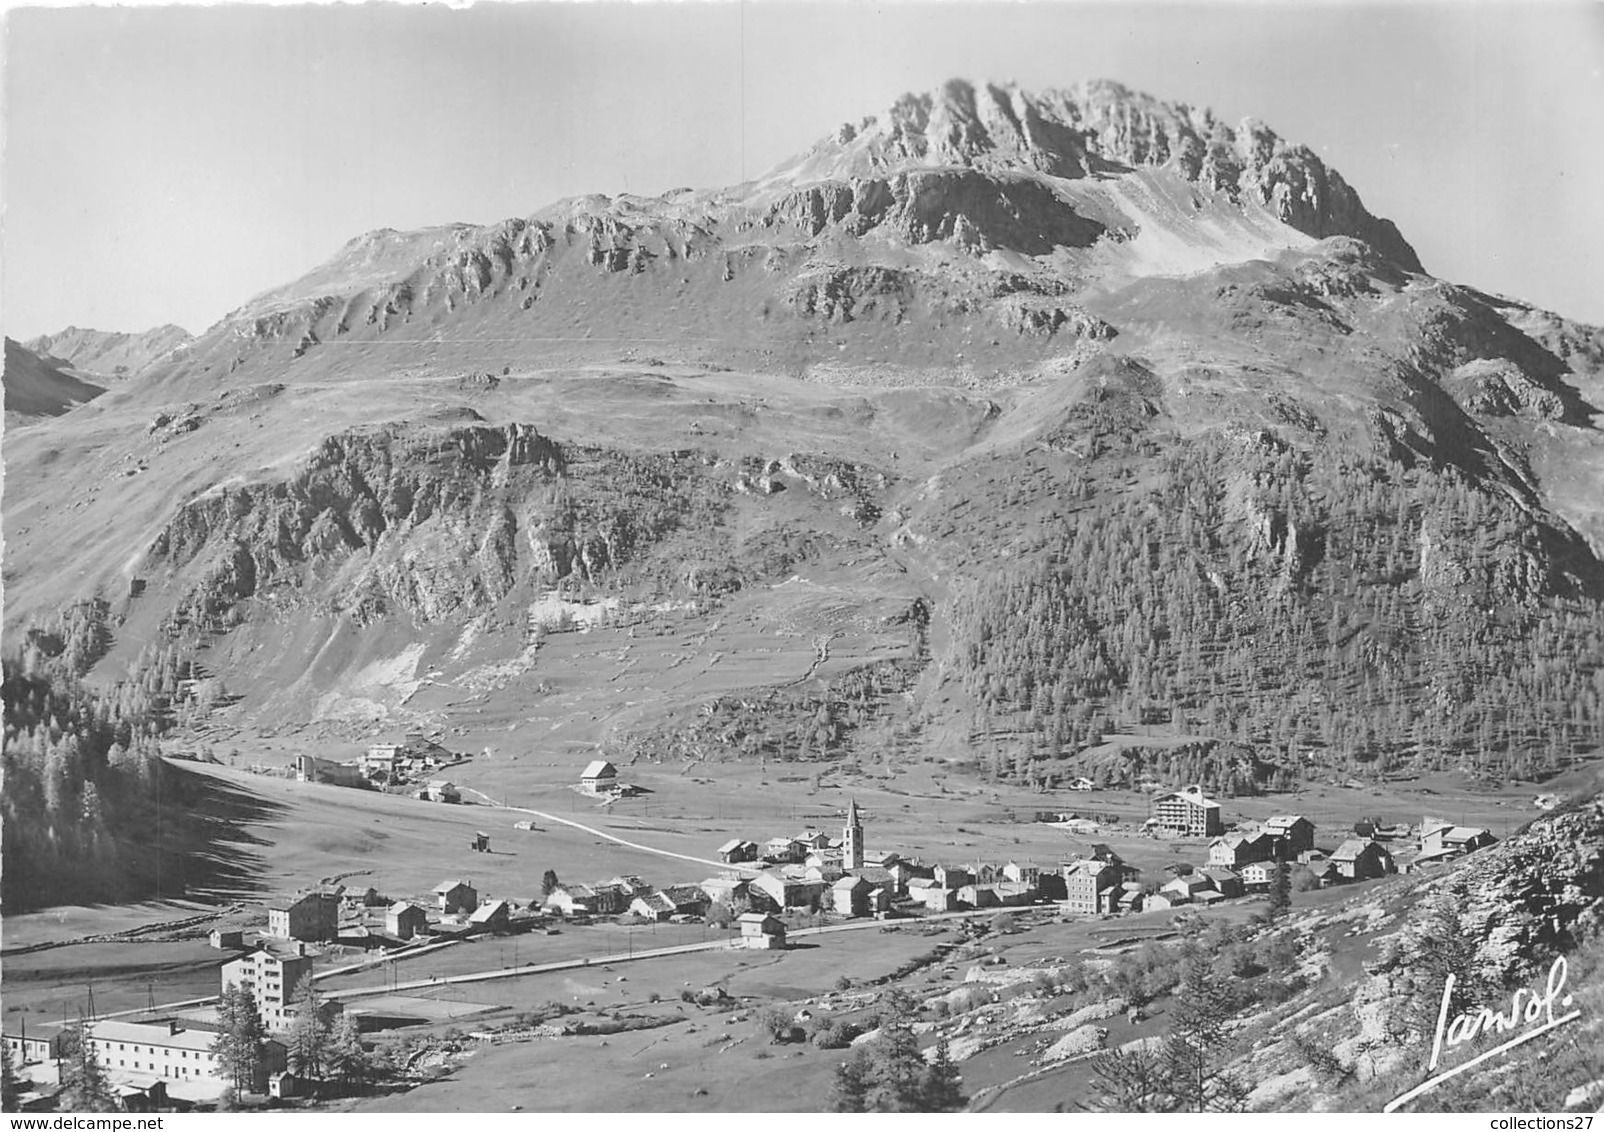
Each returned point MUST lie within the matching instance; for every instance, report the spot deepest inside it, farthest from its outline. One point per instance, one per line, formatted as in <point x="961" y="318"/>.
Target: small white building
<point x="599" y="777"/>
<point x="762" y="932"/>
<point x="404" y="920"/>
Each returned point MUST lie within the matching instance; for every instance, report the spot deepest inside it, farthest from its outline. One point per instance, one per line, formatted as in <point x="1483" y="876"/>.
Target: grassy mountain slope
<point x="1006" y="422"/>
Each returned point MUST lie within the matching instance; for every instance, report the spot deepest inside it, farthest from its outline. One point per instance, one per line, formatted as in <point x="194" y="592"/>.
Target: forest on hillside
<point x="84" y="781"/>
<point x="1358" y="614"/>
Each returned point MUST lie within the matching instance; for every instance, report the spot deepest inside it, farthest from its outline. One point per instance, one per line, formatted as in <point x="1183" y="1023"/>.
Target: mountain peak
<point x="1096" y="130"/>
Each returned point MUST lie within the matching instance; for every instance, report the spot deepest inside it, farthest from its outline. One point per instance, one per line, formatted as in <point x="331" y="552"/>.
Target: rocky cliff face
<point x="425" y="521"/>
<point x="441" y="523"/>
<point x="1099" y="129"/>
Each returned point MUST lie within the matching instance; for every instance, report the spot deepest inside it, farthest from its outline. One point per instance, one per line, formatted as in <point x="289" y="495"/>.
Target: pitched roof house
<point x="1237" y="849"/>
<point x="405" y="920"/>
<point x="456" y="896"/>
<point x="1362" y="859"/>
<point x="850" y="896"/>
<point x="761" y="931"/>
<point x="784" y="850"/>
<point x="1226" y="882"/>
<point x="491" y="916"/>
<point x="736" y="850"/>
<point x="1290" y="834"/>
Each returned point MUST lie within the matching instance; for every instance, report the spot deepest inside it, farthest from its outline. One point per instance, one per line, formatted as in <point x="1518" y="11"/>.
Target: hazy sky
<point x="166" y="164"/>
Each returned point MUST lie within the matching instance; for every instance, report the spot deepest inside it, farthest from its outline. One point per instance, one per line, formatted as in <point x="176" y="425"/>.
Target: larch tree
<point x="84" y="1085"/>
<point x="239" y="1044"/>
<point x="309" y="1032"/>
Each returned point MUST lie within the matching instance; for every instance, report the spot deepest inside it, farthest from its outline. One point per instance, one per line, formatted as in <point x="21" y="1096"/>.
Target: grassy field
<point x="307" y="832"/>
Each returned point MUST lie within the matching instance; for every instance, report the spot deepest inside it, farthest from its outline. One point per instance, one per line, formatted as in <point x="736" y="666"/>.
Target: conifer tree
<point x="849" y="1085"/>
<point x="1280" y="890"/>
<point x="1195" y="1046"/>
<point x="1129" y="1081"/>
<point x="239" y="1044"/>
<point x="346" y="1058"/>
<point x="943" y="1090"/>
<point x="309" y="1032"/>
<point x="84" y="1086"/>
<point x="9" y="1085"/>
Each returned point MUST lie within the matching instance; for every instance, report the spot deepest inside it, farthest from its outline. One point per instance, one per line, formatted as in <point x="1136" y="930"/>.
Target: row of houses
<point x="815" y="870"/>
<point x="415" y="756"/>
<point x="331" y="914"/>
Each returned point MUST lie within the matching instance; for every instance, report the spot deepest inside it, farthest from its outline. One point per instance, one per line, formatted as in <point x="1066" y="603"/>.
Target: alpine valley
<point x="1002" y="441"/>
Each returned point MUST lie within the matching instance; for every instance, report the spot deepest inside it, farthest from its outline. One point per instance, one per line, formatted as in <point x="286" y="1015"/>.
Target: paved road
<point x="652" y="953"/>
<point x="489" y="801"/>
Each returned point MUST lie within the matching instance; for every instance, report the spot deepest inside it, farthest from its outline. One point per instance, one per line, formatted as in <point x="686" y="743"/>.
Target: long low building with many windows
<point x="139" y="1051"/>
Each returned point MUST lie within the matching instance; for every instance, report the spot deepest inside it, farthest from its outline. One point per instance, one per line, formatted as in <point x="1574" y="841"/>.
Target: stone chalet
<point x="725" y="889"/>
<point x="405" y="920"/>
<point x="613" y="897"/>
<point x="1362" y="859"/>
<point x="572" y="899"/>
<point x="1237" y="849"/>
<point x="1128" y="897"/>
<point x="785" y="850"/>
<point x="781" y="892"/>
<point x="1440" y="840"/>
<point x="1289" y="834"/>
<point x="1089" y="885"/>
<point x="456" y="896"/>
<point x="998" y="894"/>
<point x="735" y="851"/>
<point x="1226" y="882"/>
<point x="491" y="916"/>
<point x="761" y="931"/>
<point x="1025" y="874"/>
<point x="1187" y="889"/>
<point x="310" y="915"/>
<point x="1259" y="876"/>
<point x="928" y="892"/>
<point x="1101" y="852"/>
<point x="850" y="896"/>
<point x="675" y="900"/>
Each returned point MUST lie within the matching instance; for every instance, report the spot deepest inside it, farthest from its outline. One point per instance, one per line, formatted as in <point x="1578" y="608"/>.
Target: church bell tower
<point x="852" y="839"/>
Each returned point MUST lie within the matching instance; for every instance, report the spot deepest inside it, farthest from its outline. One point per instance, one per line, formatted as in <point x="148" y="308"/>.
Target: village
<point x="767" y="888"/>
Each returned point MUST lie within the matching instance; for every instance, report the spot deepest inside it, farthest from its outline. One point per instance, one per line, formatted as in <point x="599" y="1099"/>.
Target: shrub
<point x="776" y="1023"/>
<point x="832" y="1033"/>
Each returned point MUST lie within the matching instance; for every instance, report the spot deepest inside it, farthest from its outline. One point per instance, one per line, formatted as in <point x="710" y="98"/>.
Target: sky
<point x="165" y="164"/>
